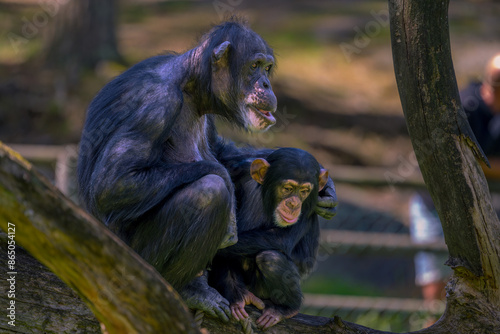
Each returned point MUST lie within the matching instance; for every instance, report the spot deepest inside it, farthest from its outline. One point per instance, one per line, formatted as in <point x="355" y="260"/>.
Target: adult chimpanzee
<point x="278" y="234"/>
<point x="149" y="154"/>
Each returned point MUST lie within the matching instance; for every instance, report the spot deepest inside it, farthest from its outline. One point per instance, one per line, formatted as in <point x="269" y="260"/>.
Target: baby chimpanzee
<point x="278" y="235"/>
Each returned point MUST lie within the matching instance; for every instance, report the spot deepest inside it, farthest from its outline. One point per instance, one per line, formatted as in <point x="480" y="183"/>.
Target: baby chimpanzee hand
<point x="238" y="308"/>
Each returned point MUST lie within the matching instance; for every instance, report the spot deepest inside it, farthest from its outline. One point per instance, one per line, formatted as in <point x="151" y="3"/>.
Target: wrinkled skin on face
<point x="251" y="89"/>
<point x="260" y="101"/>
<point x="290" y="196"/>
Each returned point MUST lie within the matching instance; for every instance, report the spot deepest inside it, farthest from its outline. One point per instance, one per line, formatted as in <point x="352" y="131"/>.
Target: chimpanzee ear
<point x="323" y="178"/>
<point x="258" y="170"/>
<point x="221" y="53"/>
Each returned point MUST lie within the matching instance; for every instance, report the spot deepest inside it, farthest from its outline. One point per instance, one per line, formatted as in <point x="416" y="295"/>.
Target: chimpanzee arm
<point x="305" y="252"/>
<point x="231" y="156"/>
<point x="258" y="240"/>
<point x="252" y="242"/>
<point x="131" y="185"/>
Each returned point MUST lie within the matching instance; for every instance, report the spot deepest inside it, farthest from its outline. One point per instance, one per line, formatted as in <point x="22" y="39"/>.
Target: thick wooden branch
<point x="447" y="154"/>
<point x="124" y="292"/>
<point x="301" y="323"/>
<point x="43" y="303"/>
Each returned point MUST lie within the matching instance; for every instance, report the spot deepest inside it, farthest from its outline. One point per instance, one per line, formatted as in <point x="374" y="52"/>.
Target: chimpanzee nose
<point x="292" y="203"/>
<point x="264" y="83"/>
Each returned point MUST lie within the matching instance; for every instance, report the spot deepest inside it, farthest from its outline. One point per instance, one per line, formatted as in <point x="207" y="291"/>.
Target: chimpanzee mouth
<point x="292" y="219"/>
<point x="265" y="114"/>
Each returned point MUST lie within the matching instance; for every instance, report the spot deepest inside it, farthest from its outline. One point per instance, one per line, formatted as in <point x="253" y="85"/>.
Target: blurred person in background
<point x="481" y="102"/>
<point x="425" y="227"/>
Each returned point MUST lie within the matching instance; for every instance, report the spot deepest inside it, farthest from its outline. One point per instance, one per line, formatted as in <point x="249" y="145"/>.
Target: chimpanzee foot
<point x="269" y="317"/>
<point x="199" y="296"/>
<point x="272" y="316"/>
<point x="238" y="308"/>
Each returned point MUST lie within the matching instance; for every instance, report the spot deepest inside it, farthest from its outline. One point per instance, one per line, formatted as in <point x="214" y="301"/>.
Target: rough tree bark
<point x="447" y="153"/>
<point x="43" y="303"/>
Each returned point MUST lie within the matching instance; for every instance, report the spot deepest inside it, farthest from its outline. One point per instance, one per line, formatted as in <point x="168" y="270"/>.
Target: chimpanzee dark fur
<point x="150" y="157"/>
<point x="147" y="166"/>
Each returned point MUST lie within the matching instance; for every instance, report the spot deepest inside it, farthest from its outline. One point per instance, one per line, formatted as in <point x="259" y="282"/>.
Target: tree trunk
<point x="81" y="35"/>
<point x="446" y="150"/>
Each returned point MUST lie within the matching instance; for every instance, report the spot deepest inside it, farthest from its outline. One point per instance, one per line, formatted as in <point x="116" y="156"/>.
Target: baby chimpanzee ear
<point x="258" y="170"/>
<point x="323" y="178"/>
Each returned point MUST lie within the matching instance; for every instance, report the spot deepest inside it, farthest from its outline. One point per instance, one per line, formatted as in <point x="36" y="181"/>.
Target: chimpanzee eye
<point x="254" y="66"/>
<point x="268" y="68"/>
<point x="287" y="189"/>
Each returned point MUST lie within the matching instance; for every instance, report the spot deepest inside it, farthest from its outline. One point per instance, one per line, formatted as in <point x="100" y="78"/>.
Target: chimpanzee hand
<point x="327" y="201"/>
<point x="199" y="295"/>
<point x="238" y="308"/>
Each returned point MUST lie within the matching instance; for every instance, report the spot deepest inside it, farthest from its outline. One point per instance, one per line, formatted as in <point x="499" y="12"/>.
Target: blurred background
<point x="337" y="98"/>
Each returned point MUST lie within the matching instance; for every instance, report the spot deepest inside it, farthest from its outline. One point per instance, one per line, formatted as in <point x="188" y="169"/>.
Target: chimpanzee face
<point x="259" y="99"/>
<point x="287" y="194"/>
<point x="241" y="82"/>
<point x="290" y="195"/>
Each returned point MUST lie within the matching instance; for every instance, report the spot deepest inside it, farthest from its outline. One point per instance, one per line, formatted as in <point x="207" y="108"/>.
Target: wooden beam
<point x="334" y="241"/>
